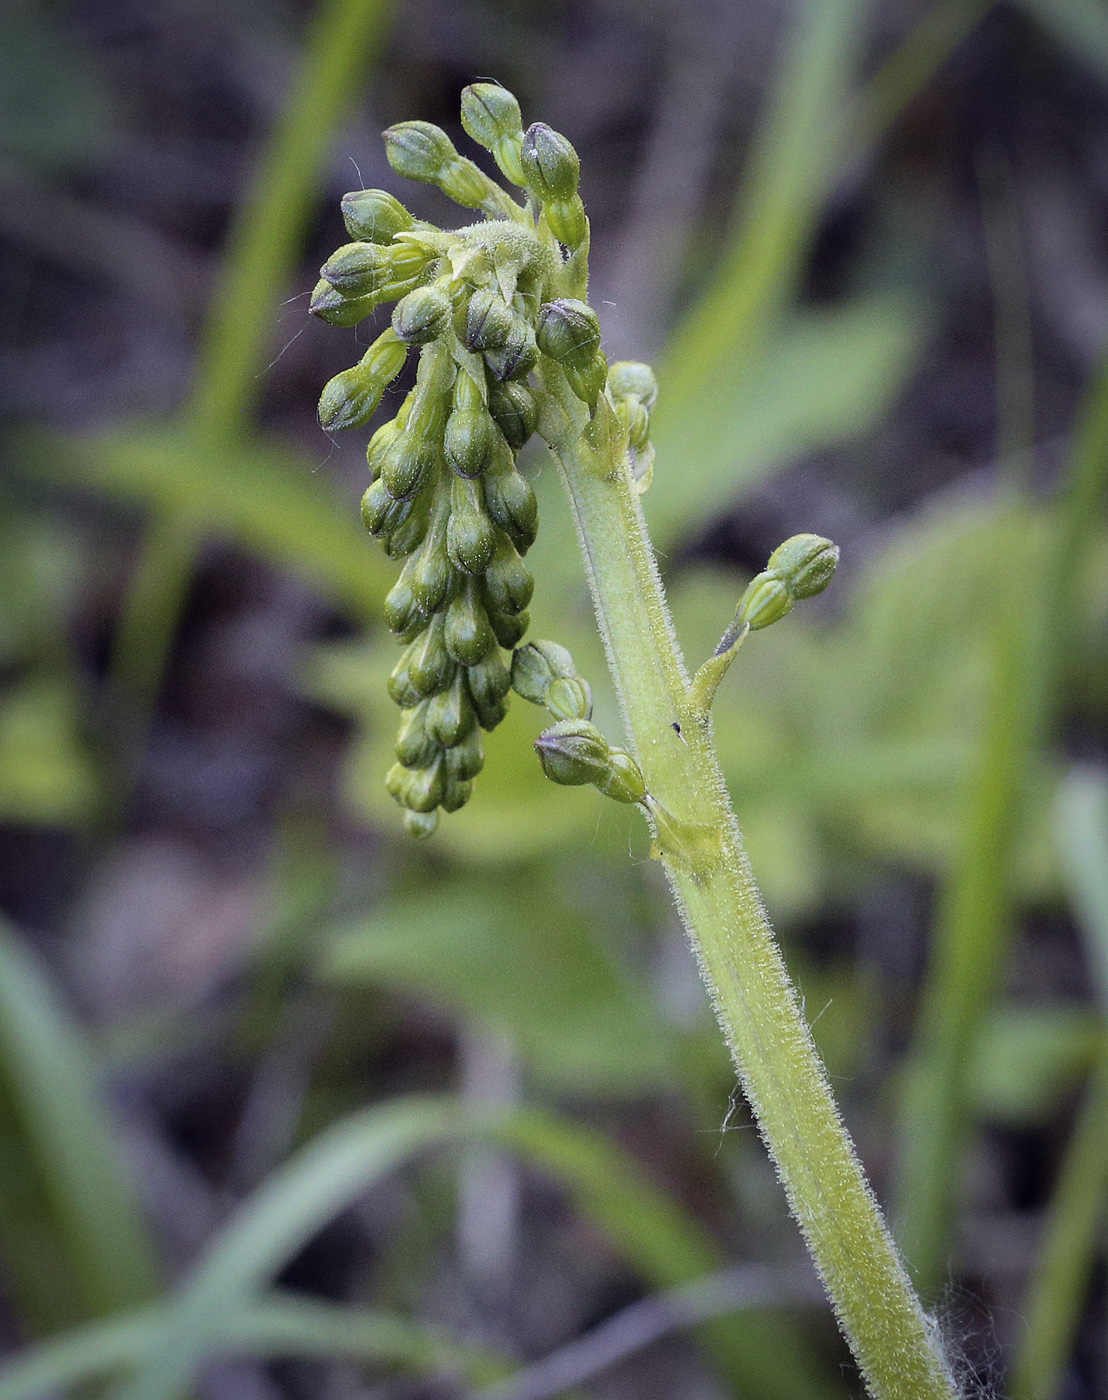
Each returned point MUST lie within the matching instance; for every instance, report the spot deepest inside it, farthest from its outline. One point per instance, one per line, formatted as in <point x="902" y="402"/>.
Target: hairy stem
<point x="698" y="842"/>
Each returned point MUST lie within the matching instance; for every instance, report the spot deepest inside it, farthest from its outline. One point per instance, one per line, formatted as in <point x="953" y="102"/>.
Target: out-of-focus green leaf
<point x="1029" y="1058"/>
<point x="823" y="377"/>
<point x="276" y="1326"/>
<point x="518" y="958"/>
<point x="73" y="1239"/>
<point x="1081" y="837"/>
<point x="264" y="496"/>
<point x="342" y="1163"/>
<point x="46" y="774"/>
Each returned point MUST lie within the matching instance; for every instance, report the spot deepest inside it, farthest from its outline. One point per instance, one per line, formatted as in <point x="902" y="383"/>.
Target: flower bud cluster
<point x="479" y="306"/>
<point x="799" y="568"/>
<point x="634" y="392"/>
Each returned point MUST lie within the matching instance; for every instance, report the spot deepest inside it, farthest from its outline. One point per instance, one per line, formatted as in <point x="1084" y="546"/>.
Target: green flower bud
<point x="470" y="534"/>
<point x="628" y="379"/>
<point x="351" y="398"/>
<point x="433" y="577"/>
<point x="518" y="356"/>
<point x="550" y="164"/>
<point x="467" y="633"/>
<point x="567" y="222"/>
<point x="421" y="315"/>
<point x="514" y="411"/>
<point x="415" y="745"/>
<point x="767" y="599"/>
<point x="381" y="514"/>
<point x="568" y="331"/>
<point x="409" y="534"/>
<point x="536" y="665"/>
<point x="337" y="310"/>
<point x="469" y="440"/>
<point x="804" y="564"/>
<point x="508" y="628"/>
<point x="421" y="789"/>
<point x="465" y="759"/>
<point x="421" y="825"/>
<point x="573" y="752"/>
<point x="359" y="269"/>
<point x="511" y="504"/>
<point x="569" y="697"/>
<point x="430" y="666"/>
<point x="508" y="582"/>
<point x="449" y="716"/>
<point x="489" y="682"/>
<point x="382" y="443"/>
<point x="402" y="613"/>
<point x="491" y="116"/>
<point x="373" y="216"/>
<point x="624" y="782"/>
<point x="407" y="464"/>
<point x="587" y="383"/>
<point x="400" y="687"/>
<point x="486" y="321"/>
<point x="423" y="152"/>
<point x="455" y="794"/>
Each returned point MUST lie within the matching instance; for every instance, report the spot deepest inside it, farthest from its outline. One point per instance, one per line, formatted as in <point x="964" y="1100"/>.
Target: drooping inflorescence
<point x="482" y="307"/>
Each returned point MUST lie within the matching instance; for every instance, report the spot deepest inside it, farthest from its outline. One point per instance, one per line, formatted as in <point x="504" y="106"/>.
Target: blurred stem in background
<point x="345" y="36"/>
<point x="1074" y="1220"/>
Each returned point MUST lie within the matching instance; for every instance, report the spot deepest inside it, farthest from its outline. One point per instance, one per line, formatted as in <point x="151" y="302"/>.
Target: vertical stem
<point x="701" y="849"/>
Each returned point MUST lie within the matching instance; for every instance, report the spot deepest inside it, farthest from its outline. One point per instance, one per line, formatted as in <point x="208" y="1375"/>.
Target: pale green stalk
<point x="699" y="845"/>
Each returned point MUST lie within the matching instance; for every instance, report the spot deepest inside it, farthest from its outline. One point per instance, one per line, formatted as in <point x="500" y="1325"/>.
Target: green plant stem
<point x="700" y="847"/>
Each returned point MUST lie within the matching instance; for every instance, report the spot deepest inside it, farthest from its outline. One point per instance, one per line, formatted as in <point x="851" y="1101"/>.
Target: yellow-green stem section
<point x="701" y="850"/>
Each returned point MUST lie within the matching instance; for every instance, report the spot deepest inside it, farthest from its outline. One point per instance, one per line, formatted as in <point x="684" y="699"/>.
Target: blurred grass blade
<point x="73" y="1238"/>
<point x="1079" y="27"/>
<point x="344" y="1162"/>
<point x="909" y="69"/>
<point x="270" y="226"/>
<point x="275" y="1327"/>
<point x="972" y="930"/>
<point x="1081" y="838"/>
<point x="794" y="157"/>
<point x="264" y="241"/>
<point x="1073" y="1227"/>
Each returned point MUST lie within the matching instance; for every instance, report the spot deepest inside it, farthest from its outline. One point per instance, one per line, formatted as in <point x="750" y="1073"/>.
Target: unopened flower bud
<point x="486" y="322"/>
<point x="466" y="758"/>
<point x="767" y="599"/>
<point x="421" y="825"/>
<point x="415" y="747"/>
<point x="467" y="632"/>
<point x="350" y="399"/>
<point x="338" y="310"/>
<point x="491" y="116"/>
<point x="573" y="752"/>
<point x="449" y="716"/>
<point x="569" y="697"/>
<point x="568" y="331"/>
<point x="421" y="151"/>
<point x="536" y="665"/>
<point x="509" y="628"/>
<point x="508" y="581"/>
<point x="624" y="782"/>
<point x="421" y="315"/>
<point x="511" y="504"/>
<point x="550" y="164"/>
<point x="373" y="216"/>
<point x="632" y="379"/>
<point x="805" y="564"/>
<point x="518" y="355"/>
<point x="430" y="665"/>
<point x="514" y="410"/>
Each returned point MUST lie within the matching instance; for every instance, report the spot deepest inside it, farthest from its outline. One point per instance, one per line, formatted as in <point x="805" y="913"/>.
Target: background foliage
<point x="291" y="1106"/>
